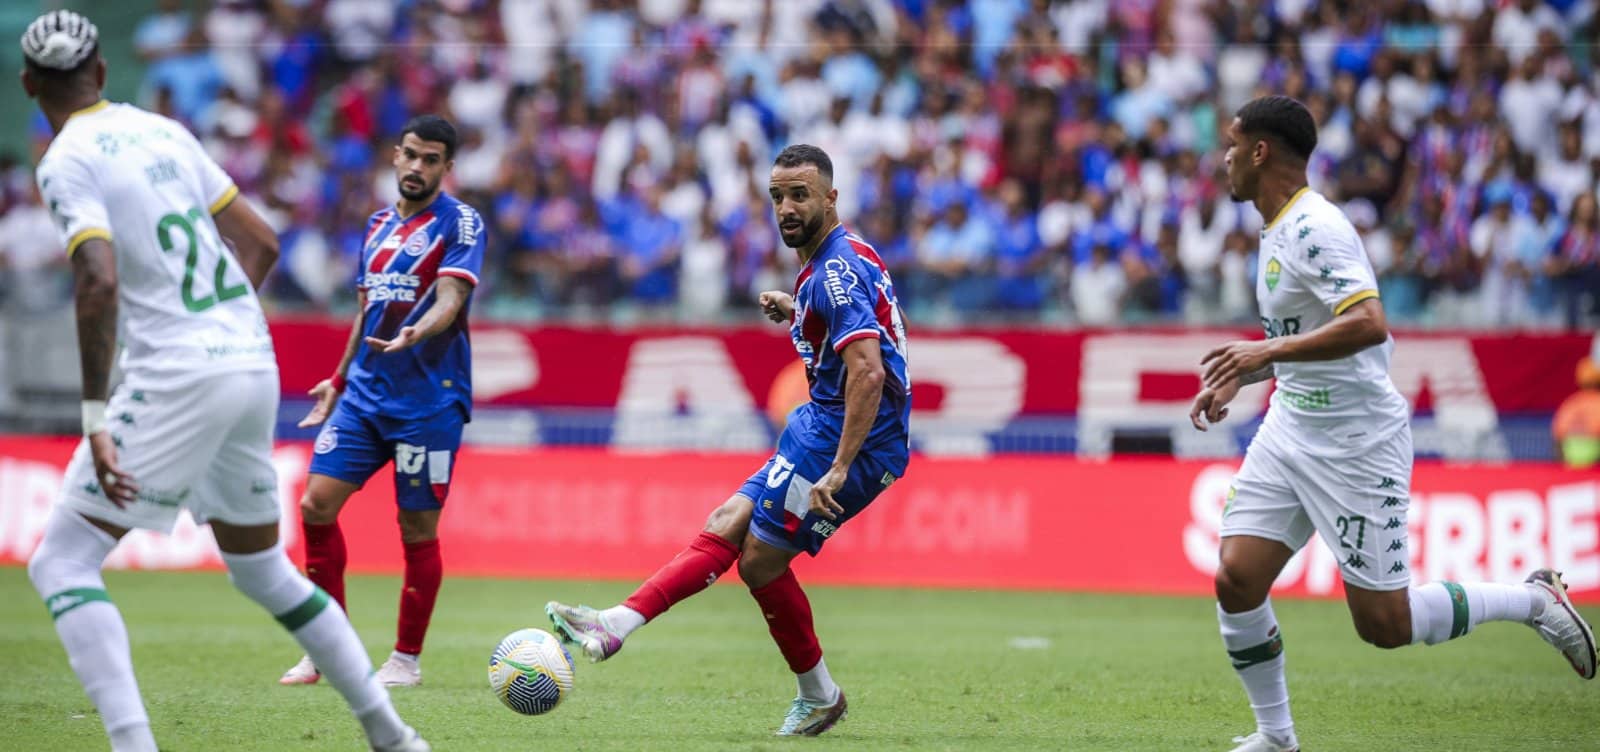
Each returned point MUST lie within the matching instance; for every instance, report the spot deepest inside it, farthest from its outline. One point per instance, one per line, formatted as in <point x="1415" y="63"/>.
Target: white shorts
<point x="1358" y="504"/>
<point x="202" y="444"/>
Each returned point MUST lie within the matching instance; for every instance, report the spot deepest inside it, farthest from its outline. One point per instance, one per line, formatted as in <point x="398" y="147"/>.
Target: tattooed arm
<point x="94" y="272"/>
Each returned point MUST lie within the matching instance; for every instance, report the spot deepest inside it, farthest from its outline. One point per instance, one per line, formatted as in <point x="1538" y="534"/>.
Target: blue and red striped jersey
<point x="844" y="294"/>
<point x="401" y="260"/>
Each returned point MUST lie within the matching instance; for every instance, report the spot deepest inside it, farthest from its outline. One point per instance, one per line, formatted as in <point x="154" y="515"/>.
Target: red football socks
<point x="325" y="558"/>
<point x="424" y="572"/>
<point x="692" y="570"/>
<point x="788" y="615"/>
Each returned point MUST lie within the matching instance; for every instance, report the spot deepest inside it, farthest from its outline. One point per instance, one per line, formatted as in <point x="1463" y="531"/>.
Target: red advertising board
<point x="978" y="375"/>
<point x="1048" y="522"/>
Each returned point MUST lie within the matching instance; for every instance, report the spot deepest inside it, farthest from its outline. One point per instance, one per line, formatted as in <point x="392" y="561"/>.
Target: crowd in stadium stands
<point x="1016" y="160"/>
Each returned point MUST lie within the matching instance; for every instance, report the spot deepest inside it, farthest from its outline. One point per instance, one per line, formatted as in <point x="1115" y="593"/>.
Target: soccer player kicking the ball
<point x="160" y="245"/>
<point x="840" y="450"/>
<point x="1333" y="455"/>
<point x="406" y="386"/>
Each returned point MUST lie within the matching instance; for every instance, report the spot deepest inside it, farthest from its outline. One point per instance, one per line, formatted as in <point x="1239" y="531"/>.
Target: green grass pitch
<point x="924" y="669"/>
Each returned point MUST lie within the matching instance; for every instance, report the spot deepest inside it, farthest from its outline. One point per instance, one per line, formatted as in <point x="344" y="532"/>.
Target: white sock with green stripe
<point x="1443" y="611"/>
<point x="1256" y="648"/>
<point x="323" y="631"/>
<point x="65" y="569"/>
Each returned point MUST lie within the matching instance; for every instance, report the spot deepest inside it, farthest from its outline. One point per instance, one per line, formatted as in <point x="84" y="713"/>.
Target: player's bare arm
<point x="449" y="296"/>
<point x="327" y="391"/>
<point x="254" y="243"/>
<point x="1360" y="327"/>
<point x="863" y="388"/>
<point x="777" y="305"/>
<point x="94" y="276"/>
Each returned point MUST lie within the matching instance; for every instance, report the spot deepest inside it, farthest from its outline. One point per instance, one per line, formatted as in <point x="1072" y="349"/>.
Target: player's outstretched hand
<point x="327" y="394"/>
<point x="407" y="337"/>
<point x="1227" y="363"/>
<point x="776" y="305"/>
<point x="1212" y="403"/>
<point x="118" y="486"/>
<point x="822" y="493"/>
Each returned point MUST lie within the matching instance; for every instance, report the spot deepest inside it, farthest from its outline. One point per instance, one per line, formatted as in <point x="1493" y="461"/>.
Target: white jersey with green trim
<point x="143" y="182"/>
<point x="1312" y="267"/>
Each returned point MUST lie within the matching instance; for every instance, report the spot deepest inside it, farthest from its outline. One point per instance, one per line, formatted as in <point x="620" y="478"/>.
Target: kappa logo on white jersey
<point x="779" y="472"/>
<point x="408" y="458"/>
<point x="327" y="439"/>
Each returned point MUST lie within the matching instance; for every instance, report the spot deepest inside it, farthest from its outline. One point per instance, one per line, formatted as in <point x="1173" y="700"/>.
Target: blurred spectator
<point x="703" y="274"/>
<point x="162" y="33"/>
<point x="34" y="274"/>
<point x="1019" y="254"/>
<point x="1574" y="264"/>
<point x="1098" y="286"/>
<point x="957" y="256"/>
<point x="651" y="245"/>
<point x="359" y="28"/>
<point x="1517" y="27"/>
<point x="1203" y="227"/>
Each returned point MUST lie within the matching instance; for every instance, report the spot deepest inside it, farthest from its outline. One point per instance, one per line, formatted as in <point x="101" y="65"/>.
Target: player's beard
<point x="417" y="194"/>
<point x="1238" y="192"/>
<point x="803" y="236"/>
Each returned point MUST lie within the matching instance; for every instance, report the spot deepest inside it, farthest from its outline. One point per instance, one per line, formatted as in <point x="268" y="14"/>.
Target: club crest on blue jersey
<point x="417" y="243"/>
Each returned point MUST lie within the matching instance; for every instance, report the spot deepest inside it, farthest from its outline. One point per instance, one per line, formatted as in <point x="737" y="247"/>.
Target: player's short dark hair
<point x="1283" y="119"/>
<point x="799" y="155"/>
<point x="433" y="128"/>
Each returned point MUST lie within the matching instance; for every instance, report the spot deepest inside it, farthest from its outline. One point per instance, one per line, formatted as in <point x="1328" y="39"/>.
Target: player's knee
<point x="318" y="509"/>
<point x="1236" y="590"/>
<point x="41" y="568"/>
<point x="51" y="571"/>
<point x="1387" y="631"/>
<point x="418" y="527"/>
<point x="760" y="564"/>
<point x="730" y="519"/>
<point x="757" y="571"/>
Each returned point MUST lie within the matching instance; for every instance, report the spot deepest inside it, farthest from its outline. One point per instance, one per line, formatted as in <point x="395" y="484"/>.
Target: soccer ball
<point x="531" y="671"/>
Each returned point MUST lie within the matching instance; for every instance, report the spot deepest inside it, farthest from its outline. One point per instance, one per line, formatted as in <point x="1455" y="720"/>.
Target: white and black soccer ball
<point x="531" y="671"/>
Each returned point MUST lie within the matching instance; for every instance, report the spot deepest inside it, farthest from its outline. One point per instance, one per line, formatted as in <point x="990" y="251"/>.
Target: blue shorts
<point x="781" y="490"/>
<point x="354" y="444"/>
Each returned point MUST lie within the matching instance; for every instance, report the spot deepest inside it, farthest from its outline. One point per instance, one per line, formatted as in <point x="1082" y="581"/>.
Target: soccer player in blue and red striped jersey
<point x="840" y="450"/>
<point x="403" y="389"/>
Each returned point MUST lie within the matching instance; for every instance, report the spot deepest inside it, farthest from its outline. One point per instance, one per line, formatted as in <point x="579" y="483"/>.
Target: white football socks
<point x="1256" y="647"/>
<point x="1443" y="611"/>
<point x="323" y="631"/>
<point x="65" y="569"/>
<point x="816" y="686"/>
<point x="622" y="620"/>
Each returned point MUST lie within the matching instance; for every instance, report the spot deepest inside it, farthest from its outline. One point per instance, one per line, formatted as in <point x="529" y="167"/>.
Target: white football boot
<point x="413" y="742"/>
<point x="304" y="672"/>
<point x="1560" y="625"/>
<point x="1259" y="742"/>
<point x="809" y="719"/>
<point x="400" y="671"/>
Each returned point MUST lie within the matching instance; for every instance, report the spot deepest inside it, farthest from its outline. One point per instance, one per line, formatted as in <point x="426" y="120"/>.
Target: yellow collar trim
<point x="91" y="109"/>
<point x="1287" y="204"/>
